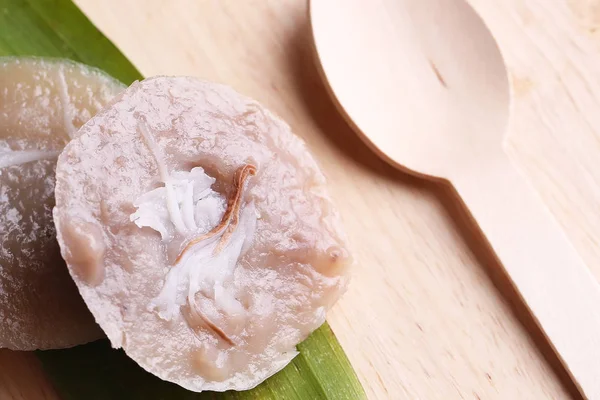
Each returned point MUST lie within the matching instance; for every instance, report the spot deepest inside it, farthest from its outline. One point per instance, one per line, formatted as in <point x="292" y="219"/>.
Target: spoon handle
<point x="558" y="288"/>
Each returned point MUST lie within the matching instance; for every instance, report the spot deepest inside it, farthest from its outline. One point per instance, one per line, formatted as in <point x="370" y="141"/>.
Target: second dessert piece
<point x="43" y="102"/>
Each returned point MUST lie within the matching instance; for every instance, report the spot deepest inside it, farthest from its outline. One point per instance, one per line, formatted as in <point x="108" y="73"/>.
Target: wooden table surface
<point x="430" y="315"/>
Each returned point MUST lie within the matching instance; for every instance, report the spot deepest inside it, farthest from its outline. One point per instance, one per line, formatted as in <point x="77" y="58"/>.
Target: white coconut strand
<point x="63" y="91"/>
<point x="187" y="207"/>
<point x="172" y="204"/>
<point x="11" y="158"/>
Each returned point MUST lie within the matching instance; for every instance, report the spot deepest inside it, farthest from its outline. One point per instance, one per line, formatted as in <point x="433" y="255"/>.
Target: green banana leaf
<point x="57" y="28"/>
<point x="96" y="372"/>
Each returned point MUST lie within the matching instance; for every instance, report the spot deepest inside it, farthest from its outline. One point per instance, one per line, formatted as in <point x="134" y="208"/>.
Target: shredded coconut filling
<point x="11" y="158"/>
<point x="217" y="233"/>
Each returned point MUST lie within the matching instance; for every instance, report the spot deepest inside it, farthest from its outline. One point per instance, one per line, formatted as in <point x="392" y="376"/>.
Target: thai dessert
<point x="199" y="232"/>
<point x="43" y="102"/>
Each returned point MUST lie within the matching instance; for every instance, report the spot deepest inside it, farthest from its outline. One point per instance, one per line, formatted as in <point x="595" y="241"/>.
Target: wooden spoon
<point x="424" y="84"/>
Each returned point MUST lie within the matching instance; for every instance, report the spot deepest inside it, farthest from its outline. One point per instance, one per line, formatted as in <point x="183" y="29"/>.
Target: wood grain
<point x="430" y="314"/>
<point x="426" y="87"/>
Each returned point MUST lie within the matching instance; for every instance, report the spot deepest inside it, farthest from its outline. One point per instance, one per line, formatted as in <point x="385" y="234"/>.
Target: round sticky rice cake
<point x="42" y="104"/>
<point x="199" y="232"/>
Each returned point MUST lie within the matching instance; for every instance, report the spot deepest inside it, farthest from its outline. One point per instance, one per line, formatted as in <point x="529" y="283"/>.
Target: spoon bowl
<point x="424" y="84"/>
<point x="431" y="73"/>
